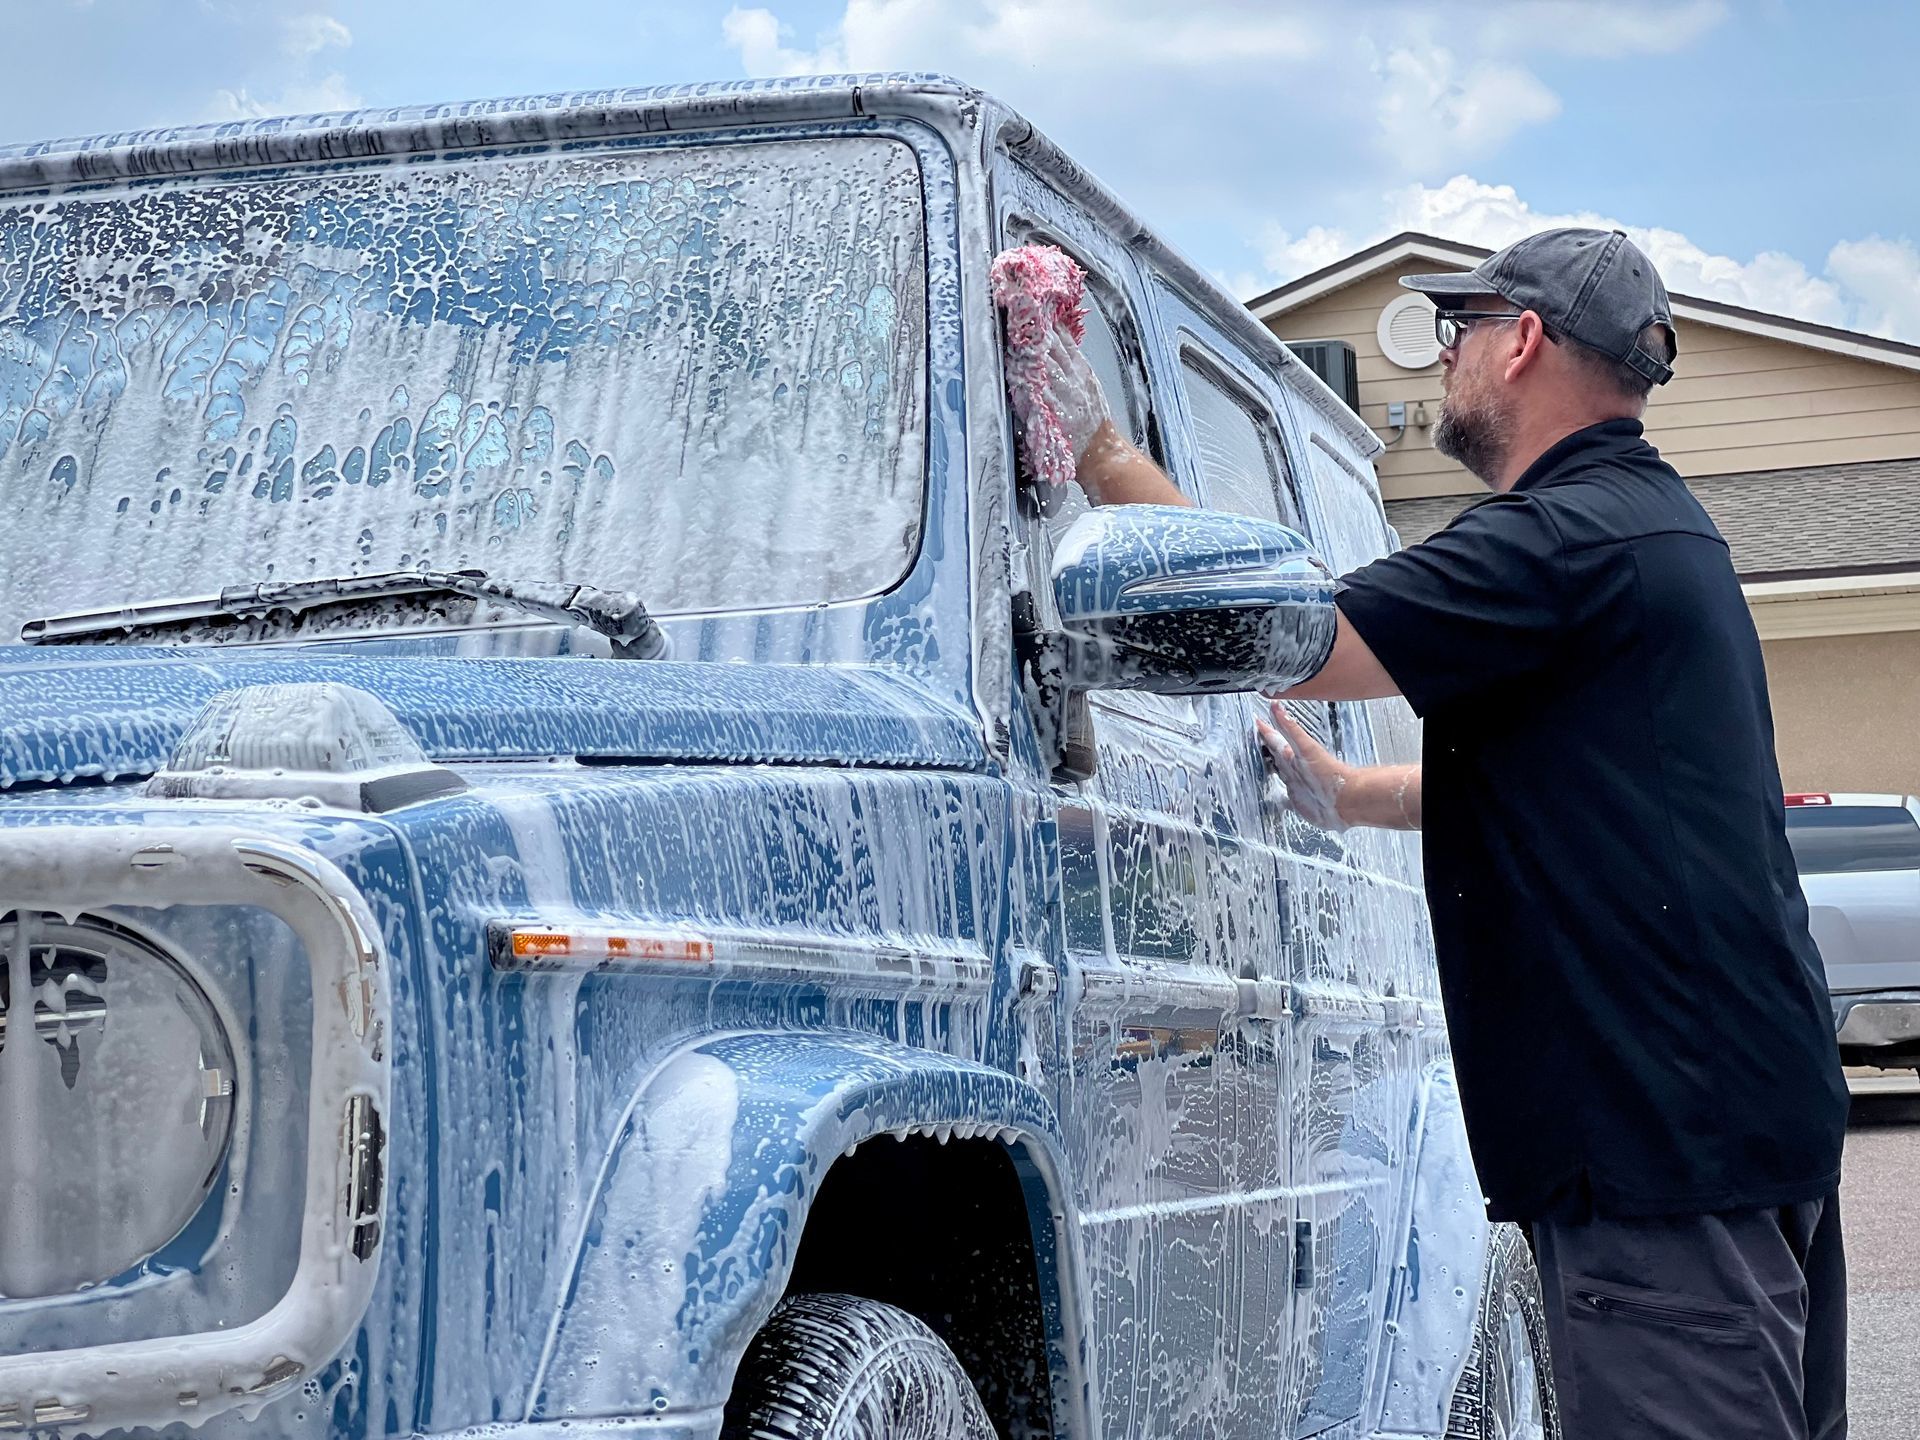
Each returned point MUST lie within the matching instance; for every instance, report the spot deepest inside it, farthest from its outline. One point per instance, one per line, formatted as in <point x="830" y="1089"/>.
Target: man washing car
<point x="1636" y="1008"/>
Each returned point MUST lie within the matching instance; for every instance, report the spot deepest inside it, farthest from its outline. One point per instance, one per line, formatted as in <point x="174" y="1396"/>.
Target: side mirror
<point x="1189" y="602"/>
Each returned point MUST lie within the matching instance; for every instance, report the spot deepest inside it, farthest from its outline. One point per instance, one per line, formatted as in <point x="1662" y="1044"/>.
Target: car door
<point x="1336" y="1074"/>
<point x="1154" y="1096"/>
<point x="1364" y="988"/>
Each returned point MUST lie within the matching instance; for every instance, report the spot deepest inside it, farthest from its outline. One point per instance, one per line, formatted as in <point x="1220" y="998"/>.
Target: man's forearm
<point x="1383" y="797"/>
<point x="1114" y="471"/>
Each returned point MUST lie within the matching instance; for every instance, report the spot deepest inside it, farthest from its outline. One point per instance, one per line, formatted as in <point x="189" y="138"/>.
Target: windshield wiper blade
<point x="620" y="615"/>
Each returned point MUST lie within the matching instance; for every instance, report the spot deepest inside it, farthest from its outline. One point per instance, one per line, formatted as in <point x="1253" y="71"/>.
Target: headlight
<point x="116" y="1084"/>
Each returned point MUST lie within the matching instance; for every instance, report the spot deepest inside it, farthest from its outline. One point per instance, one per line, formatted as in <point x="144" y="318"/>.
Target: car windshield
<point x="1839" y="839"/>
<point x="696" y="372"/>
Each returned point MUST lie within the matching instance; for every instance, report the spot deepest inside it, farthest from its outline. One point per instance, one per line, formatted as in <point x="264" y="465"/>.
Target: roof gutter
<point x="1835" y="605"/>
<point x="469" y="125"/>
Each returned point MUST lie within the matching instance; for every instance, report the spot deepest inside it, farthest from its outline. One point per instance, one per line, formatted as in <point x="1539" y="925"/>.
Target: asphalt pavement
<point x="1880" y="1213"/>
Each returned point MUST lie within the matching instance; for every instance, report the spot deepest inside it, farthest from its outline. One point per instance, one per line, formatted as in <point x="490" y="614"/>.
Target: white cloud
<point x="1883" y="276"/>
<point x="329" y="92"/>
<point x="290" y="86"/>
<point x="1341" y="119"/>
<point x="1063" y="35"/>
<point x="304" y="36"/>
<point x="1599" y="29"/>
<point x="1433" y="111"/>
<point x="756" y="36"/>
<point x="1871" y="285"/>
<point x="1241" y="83"/>
<point x="1085" y="34"/>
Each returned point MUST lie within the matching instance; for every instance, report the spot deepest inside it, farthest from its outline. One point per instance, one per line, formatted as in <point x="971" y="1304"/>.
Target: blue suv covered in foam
<point x="651" y="882"/>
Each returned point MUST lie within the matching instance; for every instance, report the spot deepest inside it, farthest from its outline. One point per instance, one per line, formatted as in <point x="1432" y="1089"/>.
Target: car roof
<point x="144" y="156"/>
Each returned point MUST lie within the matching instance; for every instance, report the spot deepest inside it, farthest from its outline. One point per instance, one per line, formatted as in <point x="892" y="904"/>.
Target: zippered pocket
<point x="1657" y="1314"/>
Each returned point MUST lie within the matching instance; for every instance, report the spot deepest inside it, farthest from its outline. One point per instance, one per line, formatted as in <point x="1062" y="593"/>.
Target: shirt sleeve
<point x="1480" y="605"/>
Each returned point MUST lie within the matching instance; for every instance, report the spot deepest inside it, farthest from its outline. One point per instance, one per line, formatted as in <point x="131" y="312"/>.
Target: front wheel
<point x="1506" y="1390"/>
<point x="839" y="1367"/>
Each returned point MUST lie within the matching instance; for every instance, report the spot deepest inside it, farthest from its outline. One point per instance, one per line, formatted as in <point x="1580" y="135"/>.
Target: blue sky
<point x="1762" y="151"/>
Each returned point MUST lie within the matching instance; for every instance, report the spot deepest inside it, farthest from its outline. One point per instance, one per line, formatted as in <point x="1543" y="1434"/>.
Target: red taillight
<point x="1812" y="797"/>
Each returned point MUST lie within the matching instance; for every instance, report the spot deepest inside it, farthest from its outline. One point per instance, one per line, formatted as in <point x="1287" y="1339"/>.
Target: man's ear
<point x="1528" y="338"/>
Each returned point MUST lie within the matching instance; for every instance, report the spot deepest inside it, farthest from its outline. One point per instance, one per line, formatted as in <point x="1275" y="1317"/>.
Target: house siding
<point x="1843" y="708"/>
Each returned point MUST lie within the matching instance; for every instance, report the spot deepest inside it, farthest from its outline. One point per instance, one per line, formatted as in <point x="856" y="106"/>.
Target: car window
<point x="1110" y="343"/>
<point x="1350" y="533"/>
<point x="1238" y="453"/>
<point x="1116" y="367"/>
<point x="1115" y="361"/>
<point x="1844" y="839"/>
<point x="1351" y="530"/>
<point x="1237" y="444"/>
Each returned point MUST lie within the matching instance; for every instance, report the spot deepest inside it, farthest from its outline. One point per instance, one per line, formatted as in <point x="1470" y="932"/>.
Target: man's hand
<point x="1110" y="468"/>
<point x="1075" y="393"/>
<point x="1314" y="776"/>
<point x="1325" y="791"/>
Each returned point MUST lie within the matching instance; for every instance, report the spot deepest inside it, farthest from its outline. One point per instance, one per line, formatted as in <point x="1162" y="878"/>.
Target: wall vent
<point x="1406" y="333"/>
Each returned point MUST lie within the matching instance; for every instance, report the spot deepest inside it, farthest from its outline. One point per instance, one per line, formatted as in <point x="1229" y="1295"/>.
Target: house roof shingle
<point x="1818" y="520"/>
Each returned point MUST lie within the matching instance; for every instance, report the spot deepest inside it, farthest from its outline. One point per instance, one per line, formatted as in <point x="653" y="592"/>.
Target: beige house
<point x="1802" y="441"/>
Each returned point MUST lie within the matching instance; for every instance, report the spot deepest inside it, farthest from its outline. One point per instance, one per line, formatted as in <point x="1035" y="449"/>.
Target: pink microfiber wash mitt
<point x="1057" y="400"/>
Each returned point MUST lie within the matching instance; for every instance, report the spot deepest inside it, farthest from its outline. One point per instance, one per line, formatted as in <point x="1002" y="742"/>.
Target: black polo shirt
<point x="1639" y="1017"/>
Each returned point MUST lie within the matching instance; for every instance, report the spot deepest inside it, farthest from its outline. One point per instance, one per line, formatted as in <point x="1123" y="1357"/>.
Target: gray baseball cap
<point x="1590" y="285"/>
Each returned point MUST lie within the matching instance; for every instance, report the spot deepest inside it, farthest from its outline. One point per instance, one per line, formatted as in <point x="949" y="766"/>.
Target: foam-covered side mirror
<point x="1189" y="602"/>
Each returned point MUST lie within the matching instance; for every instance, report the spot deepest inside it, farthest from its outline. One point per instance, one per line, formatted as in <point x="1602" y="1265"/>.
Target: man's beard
<point x="1476" y="435"/>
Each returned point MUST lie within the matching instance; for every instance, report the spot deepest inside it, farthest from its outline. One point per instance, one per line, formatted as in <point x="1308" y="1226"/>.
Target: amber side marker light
<point x="532" y="946"/>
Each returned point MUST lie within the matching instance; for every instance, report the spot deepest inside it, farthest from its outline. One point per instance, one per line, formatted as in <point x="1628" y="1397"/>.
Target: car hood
<point x="111" y="712"/>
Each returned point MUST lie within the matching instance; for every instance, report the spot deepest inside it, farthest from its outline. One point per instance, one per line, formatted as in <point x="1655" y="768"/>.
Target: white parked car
<point x="1859" y="859"/>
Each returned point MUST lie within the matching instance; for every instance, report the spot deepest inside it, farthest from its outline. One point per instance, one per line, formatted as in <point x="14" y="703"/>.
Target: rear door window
<point x="1847" y="839"/>
<point x="1352" y="531"/>
<point x="1238" y="450"/>
<point x="1237" y="444"/>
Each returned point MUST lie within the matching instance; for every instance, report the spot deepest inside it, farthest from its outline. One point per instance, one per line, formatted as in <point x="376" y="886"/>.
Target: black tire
<point x="1506" y="1390"/>
<point x="839" y="1367"/>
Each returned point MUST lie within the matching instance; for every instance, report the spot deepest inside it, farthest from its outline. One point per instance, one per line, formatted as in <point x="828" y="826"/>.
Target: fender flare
<point x="694" y="1222"/>
<point x="1434" y="1295"/>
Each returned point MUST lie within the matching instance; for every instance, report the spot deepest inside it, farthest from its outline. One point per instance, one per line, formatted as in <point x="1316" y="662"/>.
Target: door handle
<point x="1265" y="999"/>
<point x="1036" y="979"/>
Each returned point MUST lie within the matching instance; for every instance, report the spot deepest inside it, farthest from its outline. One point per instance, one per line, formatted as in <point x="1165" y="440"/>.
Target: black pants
<point x="1730" y="1326"/>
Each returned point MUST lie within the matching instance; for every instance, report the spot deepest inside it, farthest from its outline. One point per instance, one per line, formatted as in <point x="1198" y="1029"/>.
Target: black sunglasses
<point x="1450" y="326"/>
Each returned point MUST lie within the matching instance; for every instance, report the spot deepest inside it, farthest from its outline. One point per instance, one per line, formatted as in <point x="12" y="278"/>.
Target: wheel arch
<point x="698" y="1216"/>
